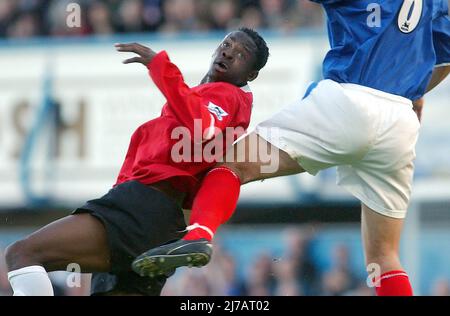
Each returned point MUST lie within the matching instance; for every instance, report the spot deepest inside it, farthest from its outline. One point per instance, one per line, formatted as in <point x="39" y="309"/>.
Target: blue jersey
<point x="388" y="45"/>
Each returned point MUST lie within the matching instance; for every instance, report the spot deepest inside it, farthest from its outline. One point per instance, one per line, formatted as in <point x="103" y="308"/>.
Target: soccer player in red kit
<point x="158" y="176"/>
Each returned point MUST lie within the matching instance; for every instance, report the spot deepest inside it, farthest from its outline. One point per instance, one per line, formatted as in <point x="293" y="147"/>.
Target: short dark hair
<point x="262" y="52"/>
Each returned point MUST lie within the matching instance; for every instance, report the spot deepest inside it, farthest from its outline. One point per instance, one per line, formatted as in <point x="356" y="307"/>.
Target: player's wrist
<point x="157" y="59"/>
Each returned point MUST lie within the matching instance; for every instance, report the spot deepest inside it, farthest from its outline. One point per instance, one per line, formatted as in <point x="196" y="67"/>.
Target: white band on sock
<point x="387" y="276"/>
<point x="30" y="269"/>
<point x="30" y="281"/>
<point x="197" y="225"/>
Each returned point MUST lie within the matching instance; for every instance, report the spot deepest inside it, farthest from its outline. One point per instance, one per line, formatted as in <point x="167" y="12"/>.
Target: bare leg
<point x="242" y="160"/>
<point x="381" y="239"/>
<point x="79" y="239"/>
<point x="381" y="236"/>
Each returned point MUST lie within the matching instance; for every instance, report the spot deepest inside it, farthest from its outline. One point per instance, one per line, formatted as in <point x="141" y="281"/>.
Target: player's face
<point x="234" y="60"/>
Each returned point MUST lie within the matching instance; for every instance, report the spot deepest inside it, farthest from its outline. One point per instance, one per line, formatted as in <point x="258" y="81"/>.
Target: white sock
<point x="30" y="281"/>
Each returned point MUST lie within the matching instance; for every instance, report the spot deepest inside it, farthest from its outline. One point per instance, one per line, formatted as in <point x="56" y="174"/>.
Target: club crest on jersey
<point x="217" y="111"/>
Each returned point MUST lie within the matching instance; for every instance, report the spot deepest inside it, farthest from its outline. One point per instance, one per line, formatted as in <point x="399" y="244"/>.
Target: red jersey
<point x="199" y="115"/>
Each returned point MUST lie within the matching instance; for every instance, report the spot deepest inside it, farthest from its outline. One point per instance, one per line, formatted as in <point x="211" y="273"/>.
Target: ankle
<point x="197" y="231"/>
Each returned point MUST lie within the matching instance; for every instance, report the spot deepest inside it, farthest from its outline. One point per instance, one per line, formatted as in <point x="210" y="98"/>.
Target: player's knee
<point x="20" y="254"/>
<point x="243" y="170"/>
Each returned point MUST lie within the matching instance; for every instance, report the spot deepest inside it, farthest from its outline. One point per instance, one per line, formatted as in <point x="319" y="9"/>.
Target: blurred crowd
<point x="27" y="18"/>
<point x="295" y="273"/>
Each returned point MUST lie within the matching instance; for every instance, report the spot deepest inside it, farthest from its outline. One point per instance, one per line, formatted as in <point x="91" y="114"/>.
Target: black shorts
<point x="137" y="218"/>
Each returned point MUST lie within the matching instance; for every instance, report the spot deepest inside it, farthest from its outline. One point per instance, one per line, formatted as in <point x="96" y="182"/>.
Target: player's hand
<point x="418" y="107"/>
<point x="145" y="54"/>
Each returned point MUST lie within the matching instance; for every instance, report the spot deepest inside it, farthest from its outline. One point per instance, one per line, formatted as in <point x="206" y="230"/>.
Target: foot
<point x="165" y="259"/>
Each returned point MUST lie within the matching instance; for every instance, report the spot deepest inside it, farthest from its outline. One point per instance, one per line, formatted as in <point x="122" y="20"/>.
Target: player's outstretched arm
<point x="166" y="75"/>
<point x="186" y="104"/>
<point x="145" y="54"/>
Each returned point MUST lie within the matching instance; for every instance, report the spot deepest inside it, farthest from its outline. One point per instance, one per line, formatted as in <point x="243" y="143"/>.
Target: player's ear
<point x="252" y="75"/>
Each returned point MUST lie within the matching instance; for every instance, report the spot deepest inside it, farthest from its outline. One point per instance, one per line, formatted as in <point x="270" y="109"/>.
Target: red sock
<point x="214" y="203"/>
<point x="394" y="283"/>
